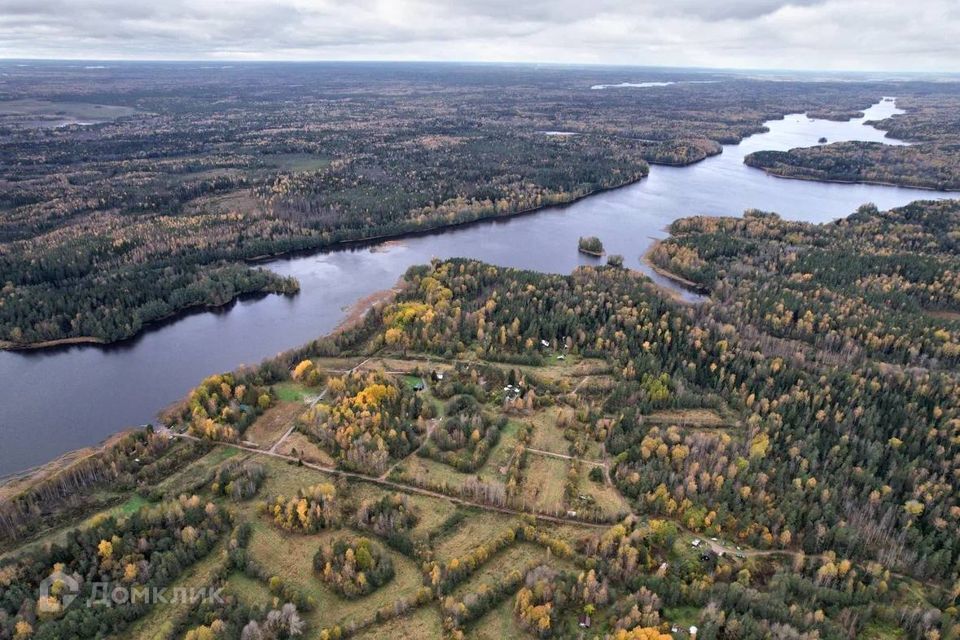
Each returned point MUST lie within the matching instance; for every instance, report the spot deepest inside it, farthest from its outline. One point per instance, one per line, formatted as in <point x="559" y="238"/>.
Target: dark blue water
<point x="55" y="401"/>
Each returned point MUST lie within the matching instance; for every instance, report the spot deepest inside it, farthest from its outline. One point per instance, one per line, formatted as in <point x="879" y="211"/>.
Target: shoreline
<point x="872" y="183"/>
<point x="359" y="309"/>
<point x="673" y="277"/>
<point x="342" y="245"/>
<point x="93" y="341"/>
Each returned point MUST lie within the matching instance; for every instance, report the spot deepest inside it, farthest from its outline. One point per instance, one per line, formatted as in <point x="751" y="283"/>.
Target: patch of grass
<point x="249" y="591"/>
<point x="610" y="501"/>
<point x="162" y="619"/>
<point x="411" y="381"/>
<point x="499" y="624"/>
<point x="197" y="471"/>
<point x="516" y="556"/>
<point x="285" y="478"/>
<point x="547" y="435"/>
<point x="274" y="422"/>
<point x="694" y="418"/>
<point x="290" y="556"/>
<point x="474" y="531"/>
<point x="683" y="617"/>
<point x="422" y="623"/>
<point x="292" y="391"/>
<point x="500" y="455"/>
<point x="132" y="505"/>
<point x="433" y="472"/>
<point x="882" y="631"/>
<point x="543" y="488"/>
<point x="305" y="450"/>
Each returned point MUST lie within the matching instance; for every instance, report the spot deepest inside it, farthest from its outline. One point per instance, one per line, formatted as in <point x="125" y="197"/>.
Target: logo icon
<point x="57" y="591"/>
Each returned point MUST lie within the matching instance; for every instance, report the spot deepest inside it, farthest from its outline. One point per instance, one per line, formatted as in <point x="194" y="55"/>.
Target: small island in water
<point x="590" y="245"/>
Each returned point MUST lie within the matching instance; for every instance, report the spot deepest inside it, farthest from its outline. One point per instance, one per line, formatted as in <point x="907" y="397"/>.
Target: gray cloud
<point x="830" y="34"/>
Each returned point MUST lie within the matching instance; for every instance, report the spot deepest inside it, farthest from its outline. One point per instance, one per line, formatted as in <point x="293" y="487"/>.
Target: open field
<point x="543" y="488"/>
<point x="275" y="422"/>
<point x="695" y="418"/>
<point x="300" y="446"/>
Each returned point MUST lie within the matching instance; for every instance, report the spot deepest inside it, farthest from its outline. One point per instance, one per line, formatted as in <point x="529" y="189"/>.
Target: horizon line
<point x="474" y="62"/>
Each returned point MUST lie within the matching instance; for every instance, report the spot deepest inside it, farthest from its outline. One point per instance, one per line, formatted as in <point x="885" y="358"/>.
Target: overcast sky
<point x="907" y="35"/>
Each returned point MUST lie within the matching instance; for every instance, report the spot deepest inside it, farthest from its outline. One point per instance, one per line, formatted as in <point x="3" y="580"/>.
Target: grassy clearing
<point x="285" y="478"/>
<point x="336" y="364"/>
<point x="702" y="418"/>
<point x="292" y="391"/>
<point x="610" y="501"/>
<point x="290" y="556"/>
<point x="496" y="570"/>
<point x="249" y="591"/>
<point x="431" y="471"/>
<point x="409" y="364"/>
<point x="302" y="447"/>
<point x="543" y="488"/>
<point x="501" y="454"/>
<point x="683" y="617"/>
<point x="498" y="624"/>
<point x="198" y="471"/>
<point x="474" y="531"/>
<point x="423" y="623"/>
<point x="411" y="382"/>
<point x="162" y="619"/>
<point x="882" y="631"/>
<point x="547" y="435"/>
<point x="274" y="422"/>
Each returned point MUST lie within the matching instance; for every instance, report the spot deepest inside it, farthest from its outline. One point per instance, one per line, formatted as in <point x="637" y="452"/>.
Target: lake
<point x="58" y="400"/>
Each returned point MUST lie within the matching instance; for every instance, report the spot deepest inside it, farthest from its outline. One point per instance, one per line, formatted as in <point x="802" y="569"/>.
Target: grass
<point x="547" y="435"/>
<point x="882" y="631"/>
<point x="290" y="556"/>
<point x="474" y="531"/>
<point x="133" y="504"/>
<point x="500" y="455"/>
<point x="610" y="501"/>
<point x="422" y="623"/>
<point x="274" y="422"/>
<point x="411" y="381"/>
<point x="285" y="478"/>
<point x="162" y="619"/>
<point x="305" y="449"/>
<point x="687" y="418"/>
<point x="249" y="591"/>
<point x="543" y="486"/>
<point x="291" y="391"/>
<point x="433" y="472"/>
<point x="496" y="570"/>
<point x="498" y="624"/>
<point x="683" y="617"/>
<point x="197" y="471"/>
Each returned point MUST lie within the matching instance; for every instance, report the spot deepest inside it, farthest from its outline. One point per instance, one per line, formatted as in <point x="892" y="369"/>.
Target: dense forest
<point x="188" y="174"/>
<point x="925" y="166"/>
